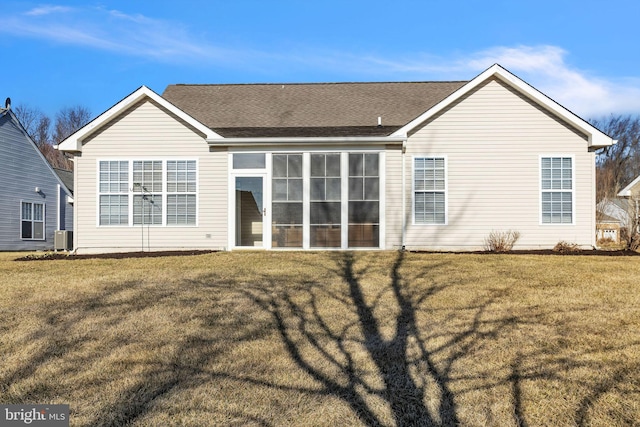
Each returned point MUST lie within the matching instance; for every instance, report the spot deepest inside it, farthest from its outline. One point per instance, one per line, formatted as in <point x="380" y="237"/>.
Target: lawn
<point x="325" y="339"/>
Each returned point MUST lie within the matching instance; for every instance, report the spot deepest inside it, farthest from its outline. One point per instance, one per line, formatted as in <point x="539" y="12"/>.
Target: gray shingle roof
<point x="66" y="176"/>
<point x="315" y="109"/>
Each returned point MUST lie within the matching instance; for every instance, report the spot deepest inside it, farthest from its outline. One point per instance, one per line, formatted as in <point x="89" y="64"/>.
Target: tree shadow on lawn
<point x="386" y="349"/>
<point x="377" y="360"/>
<point x="402" y="367"/>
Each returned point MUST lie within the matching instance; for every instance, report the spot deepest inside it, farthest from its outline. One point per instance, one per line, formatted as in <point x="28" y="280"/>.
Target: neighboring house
<point x="416" y="165"/>
<point x="631" y="195"/>
<point x="36" y="202"/>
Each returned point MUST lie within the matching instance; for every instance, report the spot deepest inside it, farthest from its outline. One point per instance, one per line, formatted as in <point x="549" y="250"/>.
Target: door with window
<point x="249" y="211"/>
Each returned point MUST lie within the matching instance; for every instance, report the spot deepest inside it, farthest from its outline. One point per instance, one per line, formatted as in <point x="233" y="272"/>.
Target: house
<point x="415" y="165"/>
<point x="631" y="195"/>
<point x="36" y="202"/>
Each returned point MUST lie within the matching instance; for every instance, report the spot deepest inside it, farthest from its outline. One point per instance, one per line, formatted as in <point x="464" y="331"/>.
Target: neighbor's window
<point x="556" y="190"/>
<point x="429" y="186"/>
<point x="114" y="193"/>
<point x="32" y="221"/>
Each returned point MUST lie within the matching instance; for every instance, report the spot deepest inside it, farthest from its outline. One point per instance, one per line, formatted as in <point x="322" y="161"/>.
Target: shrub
<point x="501" y="241"/>
<point x="566" y="247"/>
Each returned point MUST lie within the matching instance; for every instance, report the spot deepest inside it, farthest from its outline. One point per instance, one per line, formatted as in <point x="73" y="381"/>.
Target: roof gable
<point x="73" y="143"/>
<point x="596" y="138"/>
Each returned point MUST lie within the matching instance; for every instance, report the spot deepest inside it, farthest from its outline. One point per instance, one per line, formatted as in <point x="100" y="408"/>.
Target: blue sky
<point x="584" y="54"/>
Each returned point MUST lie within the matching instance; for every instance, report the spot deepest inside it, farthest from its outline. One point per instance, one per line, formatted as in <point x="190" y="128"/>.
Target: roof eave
<point x="332" y="141"/>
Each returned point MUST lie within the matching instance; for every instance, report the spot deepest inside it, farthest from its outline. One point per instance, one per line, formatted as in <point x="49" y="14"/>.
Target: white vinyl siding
<point x="556" y="190"/>
<point x="494" y="139"/>
<point x="32" y="221"/>
<point x="148" y="132"/>
<point x="429" y="188"/>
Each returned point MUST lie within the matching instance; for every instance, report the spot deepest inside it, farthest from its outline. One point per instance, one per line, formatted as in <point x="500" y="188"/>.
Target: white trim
<point x="445" y="191"/>
<point x="73" y="143"/>
<point x="596" y="138"/>
<point x="266" y="219"/>
<point x="573" y="189"/>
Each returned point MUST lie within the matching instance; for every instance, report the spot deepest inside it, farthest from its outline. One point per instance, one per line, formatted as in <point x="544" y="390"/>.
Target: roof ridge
<point x="316" y="83"/>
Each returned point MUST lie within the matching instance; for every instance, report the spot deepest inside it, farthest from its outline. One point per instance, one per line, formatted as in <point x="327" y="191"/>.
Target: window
<point x="181" y="192"/>
<point x="364" y="200"/>
<point x="147" y="192"/>
<point x="249" y="161"/>
<point x="429" y="187"/>
<point x="556" y="190"/>
<point x="162" y="192"/>
<point x="114" y="193"/>
<point x="32" y="221"/>
<point x="287" y="200"/>
<point x="325" y="215"/>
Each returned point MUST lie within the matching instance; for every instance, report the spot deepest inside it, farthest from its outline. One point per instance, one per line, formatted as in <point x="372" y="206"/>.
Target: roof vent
<point x="7" y="103"/>
<point x="379" y="121"/>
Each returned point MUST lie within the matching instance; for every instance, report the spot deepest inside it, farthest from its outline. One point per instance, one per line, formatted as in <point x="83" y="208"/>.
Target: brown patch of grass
<point x="365" y="338"/>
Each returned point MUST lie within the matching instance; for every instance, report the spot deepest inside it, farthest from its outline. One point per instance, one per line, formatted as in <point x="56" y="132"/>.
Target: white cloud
<point x="544" y="67"/>
<point x="111" y="30"/>
<point x="47" y="10"/>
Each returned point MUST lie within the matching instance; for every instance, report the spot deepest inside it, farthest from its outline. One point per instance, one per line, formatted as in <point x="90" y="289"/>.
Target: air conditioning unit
<point x="63" y="240"/>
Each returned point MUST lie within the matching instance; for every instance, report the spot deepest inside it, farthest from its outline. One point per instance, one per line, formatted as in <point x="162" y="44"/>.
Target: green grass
<point x="288" y="338"/>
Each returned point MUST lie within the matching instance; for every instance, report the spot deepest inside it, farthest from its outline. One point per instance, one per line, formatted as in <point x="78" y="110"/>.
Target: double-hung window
<point x="556" y="190"/>
<point x="429" y="190"/>
<point x="114" y="193"/>
<point x="147" y="192"/>
<point x="32" y="221"/>
<point x="181" y="192"/>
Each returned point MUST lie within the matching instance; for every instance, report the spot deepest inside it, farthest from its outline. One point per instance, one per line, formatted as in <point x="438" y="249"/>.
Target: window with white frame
<point x="147" y="192"/>
<point x="430" y="190"/>
<point x="287" y="200"/>
<point x="32" y="221"/>
<point x="162" y="192"/>
<point x="364" y="200"/>
<point x="114" y="193"/>
<point x="556" y="190"/>
<point x="181" y="192"/>
<point x="325" y="209"/>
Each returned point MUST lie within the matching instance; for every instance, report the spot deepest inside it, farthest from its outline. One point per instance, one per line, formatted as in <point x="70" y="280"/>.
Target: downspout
<point x="59" y="209"/>
<point x="404" y="196"/>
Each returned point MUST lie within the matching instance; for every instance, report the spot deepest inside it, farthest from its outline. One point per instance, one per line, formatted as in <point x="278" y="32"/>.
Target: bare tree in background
<point x="618" y="164"/>
<point x="69" y="120"/>
<point x="38" y="126"/>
